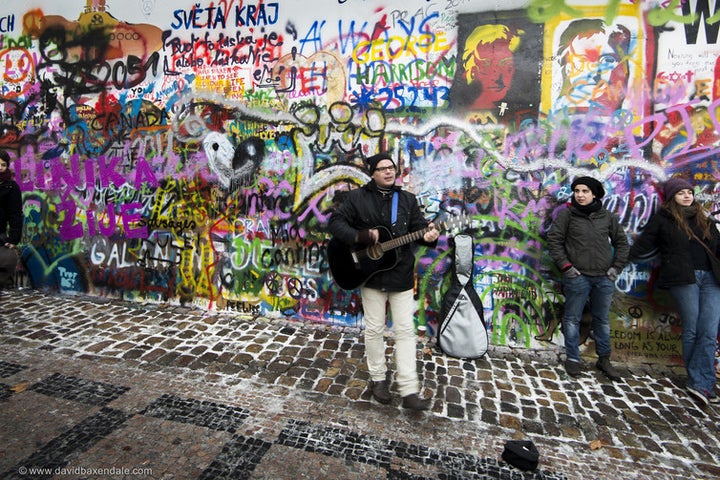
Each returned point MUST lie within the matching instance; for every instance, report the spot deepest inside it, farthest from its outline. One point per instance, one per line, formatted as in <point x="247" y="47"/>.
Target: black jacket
<point x="365" y="208"/>
<point x="11" y="216"/>
<point x="661" y="235"/>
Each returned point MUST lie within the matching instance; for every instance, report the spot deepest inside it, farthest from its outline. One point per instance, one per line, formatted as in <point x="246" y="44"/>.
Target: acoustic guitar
<point x="351" y="268"/>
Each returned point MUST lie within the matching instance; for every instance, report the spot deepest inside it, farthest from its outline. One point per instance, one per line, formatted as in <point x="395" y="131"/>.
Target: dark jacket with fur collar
<point x="662" y="236"/>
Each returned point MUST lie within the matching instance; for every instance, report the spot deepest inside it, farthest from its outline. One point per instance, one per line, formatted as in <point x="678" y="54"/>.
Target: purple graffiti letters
<point x="72" y="227"/>
<point x="107" y="172"/>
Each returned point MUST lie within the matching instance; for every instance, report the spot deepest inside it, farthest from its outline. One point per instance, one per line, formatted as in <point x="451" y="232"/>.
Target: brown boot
<point x="604" y="365"/>
<point x="574" y="369"/>
<point x="381" y="391"/>
<point x="414" y="402"/>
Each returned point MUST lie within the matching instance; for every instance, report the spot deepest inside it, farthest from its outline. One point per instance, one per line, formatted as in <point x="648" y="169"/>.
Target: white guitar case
<point x="462" y="332"/>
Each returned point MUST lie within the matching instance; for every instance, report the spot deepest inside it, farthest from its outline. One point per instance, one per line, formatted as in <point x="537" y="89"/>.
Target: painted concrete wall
<point x="190" y="152"/>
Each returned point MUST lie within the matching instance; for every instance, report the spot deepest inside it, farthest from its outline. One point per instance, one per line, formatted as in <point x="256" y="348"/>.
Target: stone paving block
<point x="197" y="412"/>
<point x="78" y="389"/>
<point x="8" y="369"/>
<point x="712" y="470"/>
<point x="629" y="439"/>
<point x="703" y="451"/>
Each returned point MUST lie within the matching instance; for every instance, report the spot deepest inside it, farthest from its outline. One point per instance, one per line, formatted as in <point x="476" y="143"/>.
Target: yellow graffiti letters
<point x="394" y="47"/>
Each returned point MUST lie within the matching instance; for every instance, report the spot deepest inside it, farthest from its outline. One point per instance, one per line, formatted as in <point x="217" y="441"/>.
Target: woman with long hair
<point x="685" y="236"/>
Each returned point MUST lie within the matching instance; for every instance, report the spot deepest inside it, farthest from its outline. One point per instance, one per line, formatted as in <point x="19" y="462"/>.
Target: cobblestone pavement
<point x="110" y="389"/>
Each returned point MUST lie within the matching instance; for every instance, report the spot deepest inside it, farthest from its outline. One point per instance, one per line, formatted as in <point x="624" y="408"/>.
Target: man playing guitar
<point x="368" y="213"/>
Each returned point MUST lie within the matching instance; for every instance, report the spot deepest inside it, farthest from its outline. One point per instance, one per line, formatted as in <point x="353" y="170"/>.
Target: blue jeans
<point x="699" y="307"/>
<point x="577" y="292"/>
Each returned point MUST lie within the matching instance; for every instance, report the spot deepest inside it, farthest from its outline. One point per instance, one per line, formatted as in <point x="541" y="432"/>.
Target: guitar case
<point x="462" y="332"/>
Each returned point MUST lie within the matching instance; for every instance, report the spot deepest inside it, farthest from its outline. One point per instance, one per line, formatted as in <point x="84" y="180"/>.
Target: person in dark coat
<point x="364" y="214"/>
<point x="688" y="243"/>
<point x="11" y="221"/>
<point x="589" y="246"/>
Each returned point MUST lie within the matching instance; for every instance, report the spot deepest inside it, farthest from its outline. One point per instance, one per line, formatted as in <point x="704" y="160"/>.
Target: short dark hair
<point x="4" y="156"/>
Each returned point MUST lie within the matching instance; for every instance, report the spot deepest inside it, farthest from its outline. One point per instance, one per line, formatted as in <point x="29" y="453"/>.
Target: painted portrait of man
<point x="497" y="64"/>
<point x="488" y="62"/>
<point x="594" y="64"/>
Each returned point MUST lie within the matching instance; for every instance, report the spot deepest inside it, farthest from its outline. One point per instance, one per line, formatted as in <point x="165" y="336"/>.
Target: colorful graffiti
<point x="192" y="153"/>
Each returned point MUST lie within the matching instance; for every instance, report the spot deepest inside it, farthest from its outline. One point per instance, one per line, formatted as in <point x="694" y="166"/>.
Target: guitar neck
<point x="403" y="239"/>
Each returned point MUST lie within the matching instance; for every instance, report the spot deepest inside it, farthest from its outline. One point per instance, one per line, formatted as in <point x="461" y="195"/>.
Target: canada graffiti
<point x="192" y="153"/>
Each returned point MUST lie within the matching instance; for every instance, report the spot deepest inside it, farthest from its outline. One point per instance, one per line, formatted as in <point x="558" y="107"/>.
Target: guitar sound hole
<point x="375" y="252"/>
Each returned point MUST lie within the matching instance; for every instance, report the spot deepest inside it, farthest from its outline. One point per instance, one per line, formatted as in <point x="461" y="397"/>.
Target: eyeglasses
<point x="385" y="169"/>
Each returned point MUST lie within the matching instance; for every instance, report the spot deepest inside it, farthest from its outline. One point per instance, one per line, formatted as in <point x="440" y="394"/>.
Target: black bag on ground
<point x="521" y="454"/>
<point x="462" y="332"/>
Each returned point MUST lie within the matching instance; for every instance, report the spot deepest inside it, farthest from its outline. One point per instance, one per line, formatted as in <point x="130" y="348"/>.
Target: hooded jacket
<point x="662" y="235"/>
<point x="366" y="208"/>
<point x="592" y="243"/>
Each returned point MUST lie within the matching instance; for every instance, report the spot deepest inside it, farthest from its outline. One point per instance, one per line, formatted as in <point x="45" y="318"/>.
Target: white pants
<point x="402" y="308"/>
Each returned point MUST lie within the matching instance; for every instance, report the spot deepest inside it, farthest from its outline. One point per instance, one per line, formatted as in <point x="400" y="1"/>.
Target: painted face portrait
<point x="488" y="63"/>
<point x="595" y="71"/>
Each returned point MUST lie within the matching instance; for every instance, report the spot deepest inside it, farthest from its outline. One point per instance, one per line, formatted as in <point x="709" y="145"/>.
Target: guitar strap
<point x="394" y="207"/>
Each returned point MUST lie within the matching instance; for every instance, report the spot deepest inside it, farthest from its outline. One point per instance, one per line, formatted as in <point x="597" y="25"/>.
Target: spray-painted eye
<point x="233" y="165"/>
<point x="251" y="151"/>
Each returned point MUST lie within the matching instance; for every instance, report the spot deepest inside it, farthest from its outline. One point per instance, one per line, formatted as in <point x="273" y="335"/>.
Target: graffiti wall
<point x="191" y="152"/>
